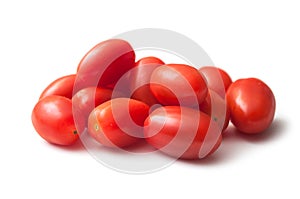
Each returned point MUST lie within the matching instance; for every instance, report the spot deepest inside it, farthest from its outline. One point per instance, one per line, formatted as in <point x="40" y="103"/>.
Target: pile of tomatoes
<point x="178" y="109"/>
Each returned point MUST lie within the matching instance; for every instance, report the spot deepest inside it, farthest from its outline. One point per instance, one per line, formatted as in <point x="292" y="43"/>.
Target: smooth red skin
<point x="62" y="86"/>
<point x="178" y="84"/>
<point x="85" y="100"/>
<point x="140" y="79"/>
<point x="252" y="105"/>
<point x="175" y="131"/>
<point x="105" y="64"/>
<point x="216" y="107"/>
<point x="217" y="79"/>
<point x="109" y="123"/>
<point x="53" y="120"/>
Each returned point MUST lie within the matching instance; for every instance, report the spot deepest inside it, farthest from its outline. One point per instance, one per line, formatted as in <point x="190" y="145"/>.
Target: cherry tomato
<point x="85" y="100"/>
<point x="252" y="105"/>
<point x="217" y="79"/>
<point x="178" y="84"/>
<point x="140" y="79"/>
<point x="62" y="86"/>
<point x="118" y="122"/>
<point x="104" y="64"/>
<point x="182" y="132"/>
<point x="53" y="120"/>
<point x="215" y="106"/>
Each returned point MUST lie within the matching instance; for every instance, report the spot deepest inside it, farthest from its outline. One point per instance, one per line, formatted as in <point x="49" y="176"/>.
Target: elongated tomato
<point x="182" y="132"/>
<point x="105" y="64"/>
<point x="178" y="84"/>
<point x="118" y="122"/>
<point x="140" y="79"/>
<point x="62" y="86"/>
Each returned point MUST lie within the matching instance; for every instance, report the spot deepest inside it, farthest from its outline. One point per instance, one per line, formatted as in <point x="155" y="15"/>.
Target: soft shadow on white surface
<point x="236" y="144"/>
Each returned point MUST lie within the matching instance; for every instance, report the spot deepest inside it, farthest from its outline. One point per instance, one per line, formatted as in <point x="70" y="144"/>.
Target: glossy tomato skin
<point x="216" y="106"/>
<point x="53" y="120"/>
<point x="85" y="100"/>
<point x="182" y="132"/>
<point x="252" y="105"/>
<point x="118" y="122"/>
<point x="178" y="84"/>
<point x="62" y="86"/>
<point x="140" y="79"/>
<point x="105" y="64"/>
<point x="217" y="79"/>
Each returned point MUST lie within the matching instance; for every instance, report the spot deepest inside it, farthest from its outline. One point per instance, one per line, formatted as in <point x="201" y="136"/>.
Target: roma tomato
<point x="85" y="100"/>
<point x="252" y="105"/>
<point x="216" y="106"/>
<point x="104" y="64"/>
<point x="118" y="122"/>
<point x="62" y="86"/>
<point x="178" y="84"/>
<point x="53" y="120"/>
<point x="140" y="79"/>
<point x="217" y="79"/>
<point x="182" y="132"/>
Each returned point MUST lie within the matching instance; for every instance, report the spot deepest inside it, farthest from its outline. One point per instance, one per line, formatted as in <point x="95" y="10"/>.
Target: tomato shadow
<point x="236" y="144"/>
<point x="76" y="147"/>
<point x="277" y="129"/>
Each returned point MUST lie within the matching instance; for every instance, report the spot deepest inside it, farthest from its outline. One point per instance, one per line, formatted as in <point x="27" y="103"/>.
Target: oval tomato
<point x="105" y="63"/>
<point x="140" y="79"/>
<point x="178" y="84"/>
<point x="85" y="100"/>
<point x="215" y="106"/>
<point x="62" y="86"/>
<point x="53" y="120"/>
<point x="217" y="79"/>
<point x="118" y="122"/>
<point x="252" y="105"/>
<point x="182" y="132"/>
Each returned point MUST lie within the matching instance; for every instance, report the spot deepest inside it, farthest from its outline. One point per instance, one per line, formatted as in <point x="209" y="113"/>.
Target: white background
<point x="43" y="40"/>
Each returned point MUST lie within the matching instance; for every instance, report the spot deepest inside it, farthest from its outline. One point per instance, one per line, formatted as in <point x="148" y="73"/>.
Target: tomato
<point x="85" y="100"/>
<point x="252" y="105"/>
<point x="53" y="120"/>
<point x="62" y="86"/>
<point x="140" y="79"/>
<point x="215" y="106"/>
<point x="178" y="84"/>
<point x="104" y="64"/>
<point x="217" y="79"/>
<point x="118" y="122"/>
<point x="182" y="132"/>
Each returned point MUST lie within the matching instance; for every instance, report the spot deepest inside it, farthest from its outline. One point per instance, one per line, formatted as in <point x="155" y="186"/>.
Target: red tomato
<point x="252" y="105"/>
<point x="118" y="122"/>
<point x="105" y="63"/>
<point x="215" y="106"/>
<point x="85" y="100"/>
<point x="52" y="118"/>
<point x="217" y="79"/>
<point x="178" y="84"/>
<point x="140" y="79"/>
<point x="182" y="132"/>
<point x="62" y="86"/>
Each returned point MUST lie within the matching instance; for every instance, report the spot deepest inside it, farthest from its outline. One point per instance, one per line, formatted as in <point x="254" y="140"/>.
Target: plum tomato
<point x="53" y="120"/>
<point x="140" y="79"/>
<point x="62" y="86"/>
<point x="182" y="132"/>
<point x="85" y="100"/>
<point x="118" y="122"/>
<point x="217" y="79"/>
<point x="105" y="64"/>
<point x="178" y="84"/>
<point x="216" y="106"/>
<point x="252" y="105"/>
